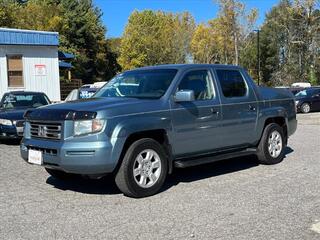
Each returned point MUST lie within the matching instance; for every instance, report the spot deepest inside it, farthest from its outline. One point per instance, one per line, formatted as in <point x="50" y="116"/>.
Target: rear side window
<point x="232" y="83"/>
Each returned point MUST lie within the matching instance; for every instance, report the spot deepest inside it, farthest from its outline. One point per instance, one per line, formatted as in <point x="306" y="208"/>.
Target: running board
<point x="213" y="158"/>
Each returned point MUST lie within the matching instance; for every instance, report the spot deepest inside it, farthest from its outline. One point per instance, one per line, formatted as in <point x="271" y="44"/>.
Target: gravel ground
<point x="234" y="199"/>
<point x="309" y="119"/>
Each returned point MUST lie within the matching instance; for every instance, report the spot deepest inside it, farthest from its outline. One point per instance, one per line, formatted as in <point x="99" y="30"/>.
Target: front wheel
<point x="143" y="170"/>
<point x="272" y="145"/>
<point x="305" y="108"/>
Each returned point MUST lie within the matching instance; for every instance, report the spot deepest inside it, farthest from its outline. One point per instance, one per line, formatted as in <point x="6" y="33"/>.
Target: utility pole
<point x="258" y="54"/>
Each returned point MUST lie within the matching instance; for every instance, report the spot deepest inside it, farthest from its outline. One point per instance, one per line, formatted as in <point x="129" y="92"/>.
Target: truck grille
<point x="45" y="130"/>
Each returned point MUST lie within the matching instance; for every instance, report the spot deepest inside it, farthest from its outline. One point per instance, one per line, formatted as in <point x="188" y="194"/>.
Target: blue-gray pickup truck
<point x="147" y="121"/>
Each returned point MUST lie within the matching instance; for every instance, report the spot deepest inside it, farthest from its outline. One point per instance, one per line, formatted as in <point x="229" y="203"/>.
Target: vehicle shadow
<point x="106" y="185"/>
<point x="11" y="142"/>
<point x="213" y="169"/>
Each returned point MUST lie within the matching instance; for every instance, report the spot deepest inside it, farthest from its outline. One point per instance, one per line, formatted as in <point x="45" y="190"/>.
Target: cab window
<point x="200" y="82"/>
<point x="232" y="83"/>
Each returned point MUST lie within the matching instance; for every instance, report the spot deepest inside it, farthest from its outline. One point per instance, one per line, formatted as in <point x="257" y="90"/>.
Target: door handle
<point x="252" y="108"/>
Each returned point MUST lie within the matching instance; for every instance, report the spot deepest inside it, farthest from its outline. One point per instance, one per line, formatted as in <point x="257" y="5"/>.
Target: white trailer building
<point x="29" y="62"/>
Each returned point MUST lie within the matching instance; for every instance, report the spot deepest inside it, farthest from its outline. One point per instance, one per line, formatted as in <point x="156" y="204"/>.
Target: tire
<point x="150" y="172"/>
<point x="305" y="108"/>
<point x="59" y="174"/>
<point x="273" y="152"/>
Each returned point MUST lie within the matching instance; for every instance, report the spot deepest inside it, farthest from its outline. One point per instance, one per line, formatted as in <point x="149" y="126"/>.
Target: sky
<point x="116" y="12"/>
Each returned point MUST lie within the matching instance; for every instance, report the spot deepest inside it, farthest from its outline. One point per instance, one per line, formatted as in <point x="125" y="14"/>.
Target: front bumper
<point x="9" y="132"/>
<point x="94" y="157"/>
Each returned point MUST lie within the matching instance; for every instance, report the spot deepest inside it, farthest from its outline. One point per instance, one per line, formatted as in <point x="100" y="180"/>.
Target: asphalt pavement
<point x="233" y="199"/>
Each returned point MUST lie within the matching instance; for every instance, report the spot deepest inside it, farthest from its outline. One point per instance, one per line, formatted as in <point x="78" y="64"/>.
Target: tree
<point x="290" y="43"/>
<point x="235" y="24"/>
<point x="248" y="55"/>
<point x="183" y="28"/>
<point x="80" y="28"/>
<point x="155" y="37"/>
<point x="6" y="13"/>
<point x="223" y="38"/>
<point x="206" y="44"/>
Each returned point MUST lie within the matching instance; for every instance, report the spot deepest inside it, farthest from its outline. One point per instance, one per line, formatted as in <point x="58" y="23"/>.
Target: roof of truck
<point x="184" y="66"/>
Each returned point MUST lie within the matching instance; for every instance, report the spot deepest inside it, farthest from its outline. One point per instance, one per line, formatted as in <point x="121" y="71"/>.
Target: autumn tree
<point x="224" y="36"/>
<point x="155" y="37"/>
<point x="202" y="44"/>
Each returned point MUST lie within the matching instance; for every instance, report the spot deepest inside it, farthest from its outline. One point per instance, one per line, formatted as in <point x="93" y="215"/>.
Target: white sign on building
<point x="40" y="70"/>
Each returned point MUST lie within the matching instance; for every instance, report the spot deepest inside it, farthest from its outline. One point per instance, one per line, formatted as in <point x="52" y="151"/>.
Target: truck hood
<point x="95" y="104"/>
<point x="12" y="114"/>
<point x="104" y="107"/>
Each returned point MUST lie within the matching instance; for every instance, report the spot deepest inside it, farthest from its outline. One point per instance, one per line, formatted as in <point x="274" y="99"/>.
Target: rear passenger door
<point x="239" y="108"/>
<point x="196" y="124"/>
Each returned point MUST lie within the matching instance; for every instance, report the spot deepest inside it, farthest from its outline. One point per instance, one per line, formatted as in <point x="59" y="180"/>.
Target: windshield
<point x="139" y="84"/>
<point x="303" y="93"/>
<point x="11" y="101"/>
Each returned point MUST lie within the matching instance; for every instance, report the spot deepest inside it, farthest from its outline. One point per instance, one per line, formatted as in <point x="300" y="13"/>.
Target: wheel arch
<point x="281" y="121"/>
<point x="158" y="134"/>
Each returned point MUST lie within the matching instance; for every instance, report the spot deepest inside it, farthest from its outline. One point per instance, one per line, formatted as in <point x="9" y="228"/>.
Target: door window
<point x="200" y="82"/>
<point x="232" y="83"/>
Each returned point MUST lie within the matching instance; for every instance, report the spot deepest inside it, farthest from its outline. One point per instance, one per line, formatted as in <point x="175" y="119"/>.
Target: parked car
<point x="308" y="100"/>
<point x="301" y="85"/>
<point x="147" y="121"/>
<point x="81" y="93"/>
<point x="86" y="91"/>
<point x="12" y="107"/>
<point x="296" y="90"/>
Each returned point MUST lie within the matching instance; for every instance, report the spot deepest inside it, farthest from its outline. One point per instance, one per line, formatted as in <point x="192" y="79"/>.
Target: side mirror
<point x="184" y="96"/>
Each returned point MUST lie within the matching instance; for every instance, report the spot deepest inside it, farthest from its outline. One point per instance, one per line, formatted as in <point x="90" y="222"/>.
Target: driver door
<point x="196" y="123"/>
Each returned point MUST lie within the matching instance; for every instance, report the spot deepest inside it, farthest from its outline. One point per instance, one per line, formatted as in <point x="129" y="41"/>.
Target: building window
<point x="15" y="71"/>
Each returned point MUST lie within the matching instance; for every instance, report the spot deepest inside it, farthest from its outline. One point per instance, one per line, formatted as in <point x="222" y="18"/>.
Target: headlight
<point x="83" y="127"/>
<point x="6" y="122"/>
<point x="297" y="102"/>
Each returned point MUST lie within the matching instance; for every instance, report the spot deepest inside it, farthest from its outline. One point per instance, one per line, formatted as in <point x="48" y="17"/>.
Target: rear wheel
<point x="59" y="174"/>
<point x="305" y="108"/>
<point x="143" y="170"/>
<point x="272" y="145"/>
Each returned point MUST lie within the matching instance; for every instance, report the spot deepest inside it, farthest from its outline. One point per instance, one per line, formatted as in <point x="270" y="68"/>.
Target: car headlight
<point x="297" y="102"/>
<point x="6" y="122"/>
<point x="83" y="127"/>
